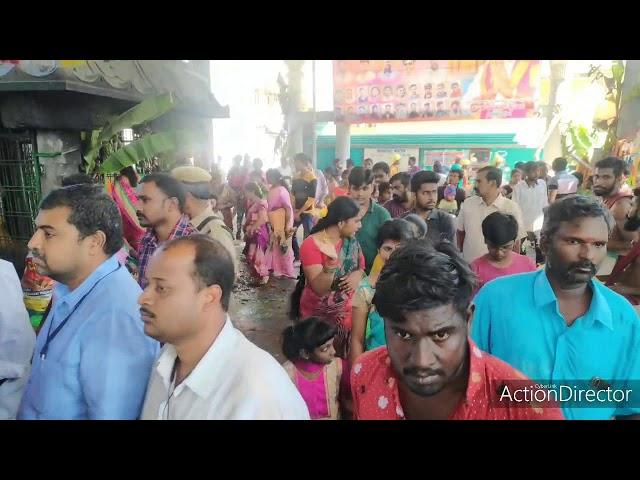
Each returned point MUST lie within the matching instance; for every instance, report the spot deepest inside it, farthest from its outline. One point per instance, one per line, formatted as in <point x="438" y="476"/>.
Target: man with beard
<point x="625" y="277"/>
<point x="160" y="209"/>
<point x="92" y="359"/>
<point x="429" y="368"/>
<point x="401" y="200"/>
<point x="558" y="325"/>
<point x="607" y="182"/>
<point x="476" y="208"/>
<point x="441" y="225"/>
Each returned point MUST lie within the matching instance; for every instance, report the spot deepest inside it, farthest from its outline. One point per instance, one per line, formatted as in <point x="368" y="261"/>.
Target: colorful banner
<point x="387" y="154"/>
<point x="373" y="91"/>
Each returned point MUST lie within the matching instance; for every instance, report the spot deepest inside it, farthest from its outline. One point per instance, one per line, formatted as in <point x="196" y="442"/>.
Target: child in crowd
<point x="500" y="231"/>
<point x="384" y="192"/>
<point x="367" y="327"/>
<point x="320" y="376"/>
<point x="448" y="203"/>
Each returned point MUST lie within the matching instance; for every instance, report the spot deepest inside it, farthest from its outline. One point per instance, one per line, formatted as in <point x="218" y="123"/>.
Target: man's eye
<point x="403" y="335"/>
<point x="441" y="336"/>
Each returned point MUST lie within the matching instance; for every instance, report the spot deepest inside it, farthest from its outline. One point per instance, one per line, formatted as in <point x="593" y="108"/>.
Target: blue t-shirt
<point x="517" y="319"/>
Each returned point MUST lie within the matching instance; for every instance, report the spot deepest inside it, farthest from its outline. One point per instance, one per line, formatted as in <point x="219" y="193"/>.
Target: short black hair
<point x="212" y="264"/>
<point x="170" y="186"/>
<point x="499" y="228"/>
<point x="425" y="176"/>
<point x="514" y="171"/>
<point x="383" y="187"/>
<point x="418" y="276"/>
<point x="349" y="163"/>
<point x="384" y="166"/>
<point x="369" y="159"/>
<point x="359" y="177"/>
<point x="559" y="164"/>
<point x="420" y="227"/>
<point x="530" y="167"/>
<point x="397" y="229"/>
<point x="403" y="177"/>
<point x="571" y="208"/>
<point x="519" y="165"/>
<point x="77" y="179"/>
<point x="307" y="335"/>
<point x="612" y="162"/>
<point x="91" y="210"/>
<point x="492" y="173"/>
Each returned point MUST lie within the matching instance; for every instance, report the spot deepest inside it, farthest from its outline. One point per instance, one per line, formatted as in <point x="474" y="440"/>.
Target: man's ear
<point x="470" y="311"/>
<point x="544" y="244"/>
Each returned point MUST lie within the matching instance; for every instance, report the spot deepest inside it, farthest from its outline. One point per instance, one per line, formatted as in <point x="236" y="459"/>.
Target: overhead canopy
<point x="128" y="80"/>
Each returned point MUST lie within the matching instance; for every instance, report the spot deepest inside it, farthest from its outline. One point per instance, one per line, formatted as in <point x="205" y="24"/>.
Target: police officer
<point x="197" y="183"/>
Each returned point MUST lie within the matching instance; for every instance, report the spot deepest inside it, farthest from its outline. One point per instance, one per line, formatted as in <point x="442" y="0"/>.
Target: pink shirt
<point x="487" y="272"/>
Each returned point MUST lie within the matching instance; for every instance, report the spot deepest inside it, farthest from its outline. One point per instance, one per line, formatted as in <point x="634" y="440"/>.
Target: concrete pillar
<point x="553" y="146"/>
<point x="294" y="75"/>
<point x="343" y="141"/>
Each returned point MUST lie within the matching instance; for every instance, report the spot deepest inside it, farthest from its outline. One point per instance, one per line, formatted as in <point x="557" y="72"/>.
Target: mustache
<point x="147" y="312"/>
<point x="421" y="372"/>
<point x="592" y="268"/>
<point x="37" y="254"/>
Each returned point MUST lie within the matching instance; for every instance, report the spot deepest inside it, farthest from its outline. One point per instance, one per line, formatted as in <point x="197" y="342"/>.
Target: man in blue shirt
<point x="561" y="327"/>
<point x="92" y="359"/>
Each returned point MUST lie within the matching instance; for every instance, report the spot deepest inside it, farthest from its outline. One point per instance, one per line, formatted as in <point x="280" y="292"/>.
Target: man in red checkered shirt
<point x="430" y="369"/>
<point x="160" y="209"/>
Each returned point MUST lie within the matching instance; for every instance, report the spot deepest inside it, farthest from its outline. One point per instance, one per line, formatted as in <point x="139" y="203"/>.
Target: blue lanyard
<point x="52" y="335"/>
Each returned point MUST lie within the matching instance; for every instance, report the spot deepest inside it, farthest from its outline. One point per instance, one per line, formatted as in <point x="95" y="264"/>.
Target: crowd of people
<point x="420" y="294"/>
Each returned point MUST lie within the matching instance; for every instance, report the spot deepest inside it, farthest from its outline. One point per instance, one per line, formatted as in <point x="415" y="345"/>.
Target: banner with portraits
<point x="373" y="91"/>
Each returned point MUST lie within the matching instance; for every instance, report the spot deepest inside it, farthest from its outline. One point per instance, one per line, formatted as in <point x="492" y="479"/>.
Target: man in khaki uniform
<point x="197" y="184"/>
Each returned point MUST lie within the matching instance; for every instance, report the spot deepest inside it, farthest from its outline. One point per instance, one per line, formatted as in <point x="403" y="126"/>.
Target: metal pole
<point x="314" y="155"/>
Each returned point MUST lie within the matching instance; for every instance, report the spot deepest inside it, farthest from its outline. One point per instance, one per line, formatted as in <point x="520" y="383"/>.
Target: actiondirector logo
<point x="594" y="393"/>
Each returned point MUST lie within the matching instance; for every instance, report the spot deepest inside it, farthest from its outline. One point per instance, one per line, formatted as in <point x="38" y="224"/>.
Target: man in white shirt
<point x="476" y="208"/>
<point x="563" y="183"/>
<point x="531" y="196"/>
<point x="207" y="369"/>
<point x="17" y="341"/>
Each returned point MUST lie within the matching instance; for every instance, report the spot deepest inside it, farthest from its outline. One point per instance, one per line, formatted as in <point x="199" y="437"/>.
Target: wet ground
<point x="260" y="312"/>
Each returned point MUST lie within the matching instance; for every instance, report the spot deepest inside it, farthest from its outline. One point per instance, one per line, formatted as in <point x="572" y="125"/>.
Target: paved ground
<point x="261" y="312"/>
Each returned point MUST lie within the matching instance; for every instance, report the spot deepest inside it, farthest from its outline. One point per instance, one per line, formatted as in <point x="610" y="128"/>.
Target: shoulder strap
<point x="209" y="219"/>
<point x="611" y="201"/>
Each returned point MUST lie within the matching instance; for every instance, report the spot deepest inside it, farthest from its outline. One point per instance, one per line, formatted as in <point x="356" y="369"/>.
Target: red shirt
<point x="374" y="386"/>
<point x="487" y="272"/>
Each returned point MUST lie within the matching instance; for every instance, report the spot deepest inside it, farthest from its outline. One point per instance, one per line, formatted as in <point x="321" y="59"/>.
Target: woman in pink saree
<point x="256" y="233"/>
<point x="281" y="219"/>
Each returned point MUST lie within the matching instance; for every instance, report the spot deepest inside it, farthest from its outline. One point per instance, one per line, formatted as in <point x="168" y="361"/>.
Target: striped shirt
<point x="149" y="244"/>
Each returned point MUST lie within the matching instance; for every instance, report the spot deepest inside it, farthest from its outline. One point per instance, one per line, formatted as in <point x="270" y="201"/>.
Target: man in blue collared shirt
<point x="559" y="326"/>
<point x="92" y="359"/>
